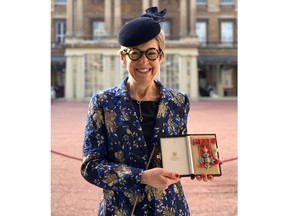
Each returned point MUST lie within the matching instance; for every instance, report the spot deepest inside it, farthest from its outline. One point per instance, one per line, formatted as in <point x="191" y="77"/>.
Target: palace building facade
<point x="200" y="56"/>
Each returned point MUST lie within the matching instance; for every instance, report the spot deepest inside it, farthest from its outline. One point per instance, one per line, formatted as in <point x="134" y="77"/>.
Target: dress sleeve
<point x="96" y="167"/>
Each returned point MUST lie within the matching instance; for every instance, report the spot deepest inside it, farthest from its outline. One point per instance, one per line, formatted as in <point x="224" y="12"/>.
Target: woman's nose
<point x="143" y="58"/>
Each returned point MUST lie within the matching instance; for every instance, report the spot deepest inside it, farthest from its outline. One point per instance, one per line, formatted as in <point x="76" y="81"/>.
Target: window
<point x="98" y="29"/>
<point x="166" y="27"/>
<point x="201" y="31"/>
<point x="60" y="31"/>
<point x="226" y="2"/>
<point x="201" y="2"/>
<point x="169" y="71"/>
<point x="61" y="2"/>
<point x="227" y="35"/>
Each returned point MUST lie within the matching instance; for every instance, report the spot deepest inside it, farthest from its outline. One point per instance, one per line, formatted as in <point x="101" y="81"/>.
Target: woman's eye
<point x="134" y="53"/>
<point x="152" y="54"/>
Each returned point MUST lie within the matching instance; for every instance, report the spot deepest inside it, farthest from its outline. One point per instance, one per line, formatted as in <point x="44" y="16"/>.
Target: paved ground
<point x="71" y="195"/>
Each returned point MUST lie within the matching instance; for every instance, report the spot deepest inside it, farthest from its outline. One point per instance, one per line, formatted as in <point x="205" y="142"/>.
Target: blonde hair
<point x="160" y="38"/>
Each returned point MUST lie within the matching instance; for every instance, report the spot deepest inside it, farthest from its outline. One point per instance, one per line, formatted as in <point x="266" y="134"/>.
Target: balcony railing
<point x="101" y="39"/>
<point x="216" y="45"/>
<point x="57" y="45"/>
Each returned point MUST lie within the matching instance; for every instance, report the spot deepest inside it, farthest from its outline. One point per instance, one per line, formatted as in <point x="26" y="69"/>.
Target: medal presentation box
<point x="191" y="154"/>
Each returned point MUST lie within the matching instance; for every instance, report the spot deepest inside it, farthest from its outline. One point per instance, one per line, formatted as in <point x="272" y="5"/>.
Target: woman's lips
<point x="144" y="70"/>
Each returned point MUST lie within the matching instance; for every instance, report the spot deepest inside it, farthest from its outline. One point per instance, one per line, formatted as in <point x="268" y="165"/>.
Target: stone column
<point x="219" y="87"/>
<point x="192" y="17"/>
<point x="118" y="73"/>
<point x="80" y="78"/>
<point x="155" y="3"/>
<point x="194" y="84"/>
<point x="117" y="16"/>
<point x="79" y="19"/>
<point x="108" y="16"/>
<point x="69" y="19"/>
<point x="183" y="18"/>
<point x="145" y="4"/>
<point x="107" y="71"/>
<point x="183" y="72"/>
<point x="69" y="94"/>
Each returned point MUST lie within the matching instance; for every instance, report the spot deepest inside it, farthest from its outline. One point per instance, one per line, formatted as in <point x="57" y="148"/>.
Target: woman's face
<point x="143" y="70"/>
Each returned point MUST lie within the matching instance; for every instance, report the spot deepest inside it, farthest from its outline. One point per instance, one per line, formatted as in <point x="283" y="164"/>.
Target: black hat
<point x="141" y="29"/>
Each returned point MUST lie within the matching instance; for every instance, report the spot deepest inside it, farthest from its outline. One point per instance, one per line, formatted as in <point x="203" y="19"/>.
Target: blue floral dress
<point x="115" y="152"/>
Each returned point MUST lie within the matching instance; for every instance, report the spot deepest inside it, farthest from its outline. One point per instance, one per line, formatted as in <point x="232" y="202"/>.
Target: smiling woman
<point x="121" y="150"/>
<point x="142" y="70"/>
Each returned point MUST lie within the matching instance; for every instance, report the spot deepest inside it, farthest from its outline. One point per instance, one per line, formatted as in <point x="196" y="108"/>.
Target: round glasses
<point x="135" y="54"/>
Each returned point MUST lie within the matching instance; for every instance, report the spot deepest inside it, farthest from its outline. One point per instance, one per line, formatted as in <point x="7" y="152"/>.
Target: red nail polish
<point x="177" y="175"/>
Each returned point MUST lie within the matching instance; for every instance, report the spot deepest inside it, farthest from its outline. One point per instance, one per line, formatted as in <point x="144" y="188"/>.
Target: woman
<point x="121" y="143"/>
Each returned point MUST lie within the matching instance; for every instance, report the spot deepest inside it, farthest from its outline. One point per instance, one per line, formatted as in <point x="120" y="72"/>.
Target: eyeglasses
<point x="135" y="54"/>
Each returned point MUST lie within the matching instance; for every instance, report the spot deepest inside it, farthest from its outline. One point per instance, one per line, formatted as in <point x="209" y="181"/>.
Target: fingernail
<point x="177" y="175"/>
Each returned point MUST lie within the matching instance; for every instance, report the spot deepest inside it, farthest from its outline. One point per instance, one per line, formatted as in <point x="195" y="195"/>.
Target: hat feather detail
<point x="153" y="13"/>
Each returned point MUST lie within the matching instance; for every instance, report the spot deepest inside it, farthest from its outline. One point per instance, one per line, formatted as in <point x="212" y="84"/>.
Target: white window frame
<point x="60" y="31"/>
<point x="169" y="75"/>
<point x="166" y="26"/>
<point x="201" y="31"/>
<point x="227" y="33"/>
<point x="98" y="29"/>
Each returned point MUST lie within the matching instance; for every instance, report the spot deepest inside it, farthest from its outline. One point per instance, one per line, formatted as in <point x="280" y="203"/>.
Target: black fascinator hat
<point x="141" y="29"/>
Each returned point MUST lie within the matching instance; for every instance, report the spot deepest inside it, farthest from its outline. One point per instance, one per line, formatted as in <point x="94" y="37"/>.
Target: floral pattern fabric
<point x="115" y="152"/>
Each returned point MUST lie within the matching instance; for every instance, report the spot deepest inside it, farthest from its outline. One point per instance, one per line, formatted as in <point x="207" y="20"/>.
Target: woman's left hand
<point x="203" y="177"/>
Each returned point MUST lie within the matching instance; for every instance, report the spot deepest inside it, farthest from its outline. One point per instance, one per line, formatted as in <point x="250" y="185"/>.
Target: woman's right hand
<point x="159" y="178"/>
